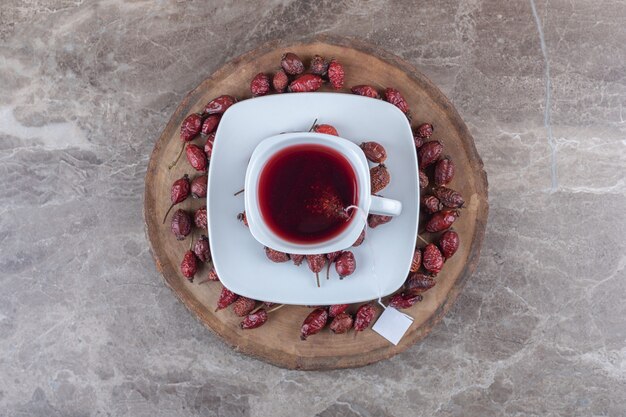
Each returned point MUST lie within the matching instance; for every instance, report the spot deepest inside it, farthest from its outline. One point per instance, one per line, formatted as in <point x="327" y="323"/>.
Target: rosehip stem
<point x="239" y="192"/>
<point x="328" y="270"/>
<point x="317" y="278"/>
<point x="269" y="311"/>
<point x="313" y="125"/>
<point x="168" y="212"/>
<point x="276" y="308"/>
<point x="173" y="164"/>
<point x="422" y="239"/>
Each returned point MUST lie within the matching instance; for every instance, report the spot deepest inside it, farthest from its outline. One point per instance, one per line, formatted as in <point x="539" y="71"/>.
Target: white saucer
<point x="383" y="260"/>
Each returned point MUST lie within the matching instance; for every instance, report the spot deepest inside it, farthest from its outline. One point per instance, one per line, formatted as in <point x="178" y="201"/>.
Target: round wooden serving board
<point x="278" y="341"/>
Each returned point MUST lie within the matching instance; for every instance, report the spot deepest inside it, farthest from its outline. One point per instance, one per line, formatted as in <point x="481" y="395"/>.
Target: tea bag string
<point x="370" y="253"/>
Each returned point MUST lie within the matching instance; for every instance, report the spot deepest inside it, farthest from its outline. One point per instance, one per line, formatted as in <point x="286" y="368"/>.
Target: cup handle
<point x="385" y="206"/>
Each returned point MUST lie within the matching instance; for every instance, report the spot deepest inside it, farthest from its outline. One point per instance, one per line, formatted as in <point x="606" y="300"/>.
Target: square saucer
<point x="383" y="260"/>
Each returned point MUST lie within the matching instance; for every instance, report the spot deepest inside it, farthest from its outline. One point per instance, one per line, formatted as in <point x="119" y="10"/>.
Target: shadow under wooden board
<point x="278" y="341"/>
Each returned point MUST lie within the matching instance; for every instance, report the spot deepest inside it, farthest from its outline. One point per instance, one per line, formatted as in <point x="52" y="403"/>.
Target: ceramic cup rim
<point x="274" y="144"/>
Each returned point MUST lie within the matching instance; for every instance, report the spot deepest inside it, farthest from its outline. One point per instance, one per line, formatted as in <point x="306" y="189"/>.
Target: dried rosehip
<point x="181" y="224"/>
<point x="449" y="197"/>
<point x="305" y="83"/>
<point x="189" y="265"/>
<point x="242" y="218"/>
<point x="297" y="259"/>
<point x="374" y="151"/>
<point x="202" y="249"/>
<point x="190" y="128"/>
<point x="418" y="140"/>
<point x="280" y="81"/>
<point x="432" y="259"/>
<point x="254" y="320"/>
<point x="375" y="220"/>
<point x="379" y="178"/>
<point x="327" y="129"/>
<point x="180" y="190"/>
<point x="292" y="64"/>
<point x="429" y="153"/>
<point x="178" y="193"/>
<point x="316" y="264"/>
<point x="332" y="256"/>
<point x="423" y="179"/>
<point x="431" y="204"/>
<point x="441" y="220"/>
<point x="337" y="309"/>
<point x="359" y="239"/>
<point x="319" y="66"/>
<point x="341" y="324"/>
<point x="345" y="264"/>
<point x="199" y="218"/>
<point x="401" y="301"/>
<point x="243" y="306"/>
<point x="444" y="171"/>
<point x="328" y="204"/>
<point x="425" y="130"/>
<point x="394" y="97"/>
<point x="213" y="275"/>
<point x="227" y="297"/>
<point x="418" y="283"/>
<point x="208" y="146"/>
<point x="260" y="85"/>
<point x="313" y="323"/>
<point x="417" y="260"/>
<point x="364" y="316"/>
<point x="219" y="104"/>
<point x="210" y="124"/>
<point x="276" y="256"/>
<point x="196" y="157"/>
<point x="336" y="74"/>
<point x="449" y="243"/>
<point x="365" y="90"/>
<point x="199" y="186"/>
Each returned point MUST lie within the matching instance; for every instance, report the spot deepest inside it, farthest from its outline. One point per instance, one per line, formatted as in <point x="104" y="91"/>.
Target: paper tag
<point x="392" y="325"/>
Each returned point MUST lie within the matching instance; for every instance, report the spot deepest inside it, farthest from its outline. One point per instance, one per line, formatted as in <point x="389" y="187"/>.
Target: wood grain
<point x="278" y="341"/>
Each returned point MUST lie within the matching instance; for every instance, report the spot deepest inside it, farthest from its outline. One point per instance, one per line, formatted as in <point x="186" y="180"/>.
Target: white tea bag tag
<point x="392" y="325"/>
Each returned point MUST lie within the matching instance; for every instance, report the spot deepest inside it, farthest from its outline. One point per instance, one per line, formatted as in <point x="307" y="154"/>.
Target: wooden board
<point x="278" y="341"/>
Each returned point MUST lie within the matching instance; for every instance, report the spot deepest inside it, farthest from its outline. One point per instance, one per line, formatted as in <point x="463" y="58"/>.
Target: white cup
<point x="367" y="203"/>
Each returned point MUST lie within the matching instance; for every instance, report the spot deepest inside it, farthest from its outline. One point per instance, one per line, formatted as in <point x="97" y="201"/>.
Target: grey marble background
<point x="87" y="328"/>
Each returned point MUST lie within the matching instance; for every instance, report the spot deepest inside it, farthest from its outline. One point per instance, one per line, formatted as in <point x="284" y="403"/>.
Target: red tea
<point x="303" y="192"/>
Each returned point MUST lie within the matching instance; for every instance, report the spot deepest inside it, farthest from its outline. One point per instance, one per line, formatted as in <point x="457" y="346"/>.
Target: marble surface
<point x="87" y="328"/>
